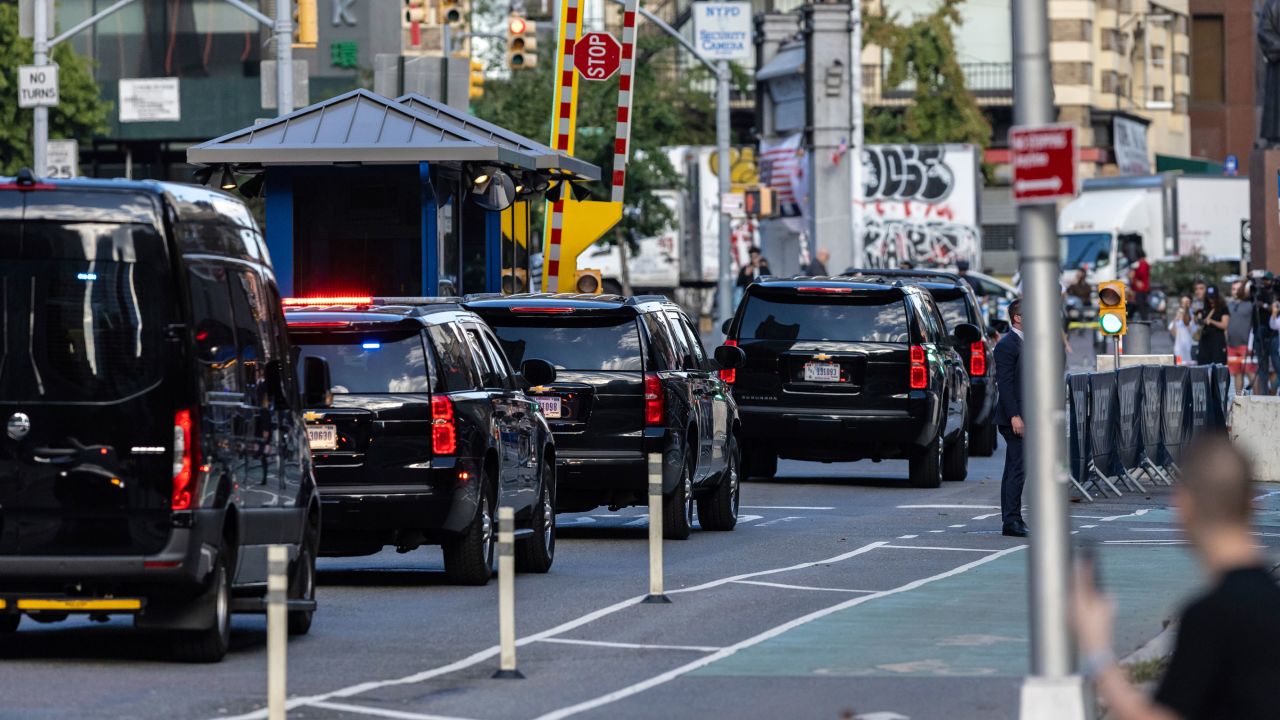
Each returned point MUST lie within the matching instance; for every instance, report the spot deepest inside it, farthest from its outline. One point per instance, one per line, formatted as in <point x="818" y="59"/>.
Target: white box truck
<point x="1166" y="215"/>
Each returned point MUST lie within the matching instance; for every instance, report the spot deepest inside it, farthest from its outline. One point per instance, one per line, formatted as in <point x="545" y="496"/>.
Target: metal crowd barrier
<point x="1128" y="425"/>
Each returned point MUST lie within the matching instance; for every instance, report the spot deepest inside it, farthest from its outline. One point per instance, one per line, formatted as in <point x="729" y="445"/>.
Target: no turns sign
<point x="37" y="86"/>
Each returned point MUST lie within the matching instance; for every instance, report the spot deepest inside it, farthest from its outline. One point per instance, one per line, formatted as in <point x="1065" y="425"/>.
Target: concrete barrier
<point x="1254" y="426"/>
<point x="1107" y="361"/>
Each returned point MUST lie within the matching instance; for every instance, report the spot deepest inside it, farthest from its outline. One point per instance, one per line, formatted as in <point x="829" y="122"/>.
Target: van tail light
<point x="919" y="371"/>
<point x="186" y="459"/>
<point x="730" y="375"/>
<point x="444" y="430"/>
<point x="655" y="402"/>
<point x="977" y="359"/>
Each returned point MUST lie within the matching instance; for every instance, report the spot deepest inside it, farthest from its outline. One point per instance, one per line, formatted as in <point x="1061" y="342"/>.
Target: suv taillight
<point x="186" y="458"/>
<point x="655" y="403"/>
<point x="919" y="371"/>
<point x="978" y="359"/>
<point x="730" y="375"/>
<point x="444" y="432"/>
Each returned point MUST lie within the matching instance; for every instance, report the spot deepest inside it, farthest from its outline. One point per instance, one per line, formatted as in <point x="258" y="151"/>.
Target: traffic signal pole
<point x="1050" y="691"/>
<point x="724" y="289"/>
<point x="40" y="115"/>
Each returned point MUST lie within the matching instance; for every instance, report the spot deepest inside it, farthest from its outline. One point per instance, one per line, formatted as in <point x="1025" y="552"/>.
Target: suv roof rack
<point x="629" y="300"/>
<point x="923" y="273"/>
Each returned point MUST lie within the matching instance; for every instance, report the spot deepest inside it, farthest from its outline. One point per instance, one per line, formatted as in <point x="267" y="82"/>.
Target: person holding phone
<point x="1225" y="662"/>
<point x="1183" y="328"/>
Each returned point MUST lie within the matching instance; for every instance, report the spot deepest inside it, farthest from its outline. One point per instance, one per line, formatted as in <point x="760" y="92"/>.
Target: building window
<point x="1208" y="82"/>
<point x="1181" y="63"/>
<point x="1157" y="56"/>
<point x="1110" y="82"/>
<point x="1110" y="39"/>
<point x="1180" y="25"/>
<point x="1157" y="93"/>
<point x="1181" y="103"/>
<point x="1072" y="73"/>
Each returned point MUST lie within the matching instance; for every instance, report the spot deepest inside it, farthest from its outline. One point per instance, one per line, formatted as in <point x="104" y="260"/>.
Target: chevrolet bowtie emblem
<point x="822" y="356"/>
<point x="310" y="416"/>
<point x="538" y="389"/>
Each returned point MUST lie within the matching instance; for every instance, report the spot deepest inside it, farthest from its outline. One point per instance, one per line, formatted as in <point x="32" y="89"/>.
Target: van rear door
<point x="86" y="357"/>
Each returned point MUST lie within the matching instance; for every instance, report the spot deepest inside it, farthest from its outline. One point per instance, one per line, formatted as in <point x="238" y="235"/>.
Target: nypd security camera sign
<point x="722" y="30"/>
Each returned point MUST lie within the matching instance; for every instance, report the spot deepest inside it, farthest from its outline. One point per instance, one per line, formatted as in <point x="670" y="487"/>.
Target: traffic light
<point x="452" y="12"/>
<point x="759" y="202"/>
<point x="588" y="281"/>
<point x="1112" y="311"/>
<point x="522" y="43"/>
<point x="305" y="24"/>
<point x="477" y="79"/>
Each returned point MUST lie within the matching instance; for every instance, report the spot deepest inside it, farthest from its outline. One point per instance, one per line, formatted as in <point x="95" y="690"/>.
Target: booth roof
<point x="358" y="127"/>
<point x="547" y="157"/>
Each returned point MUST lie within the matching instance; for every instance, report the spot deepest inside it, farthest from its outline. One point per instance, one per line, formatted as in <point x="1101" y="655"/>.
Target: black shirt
<point x="1226" y="663"/>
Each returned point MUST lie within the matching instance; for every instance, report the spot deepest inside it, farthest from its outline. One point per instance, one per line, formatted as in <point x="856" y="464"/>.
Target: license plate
<point x="821" y="372"/>
<point x="550" y="405"/>
<point x="323" y="437"/>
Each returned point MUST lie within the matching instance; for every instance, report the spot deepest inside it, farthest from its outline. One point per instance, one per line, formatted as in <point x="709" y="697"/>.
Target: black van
<point x="154" y="443"/>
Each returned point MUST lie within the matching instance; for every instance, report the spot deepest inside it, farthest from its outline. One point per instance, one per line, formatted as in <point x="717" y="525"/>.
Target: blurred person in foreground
<point x="1226" y="660"/>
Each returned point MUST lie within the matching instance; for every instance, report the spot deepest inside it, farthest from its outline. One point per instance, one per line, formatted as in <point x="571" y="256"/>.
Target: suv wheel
<point x="303" y="587"/>
<point x="926" y="465"/>
<point x="210" y="645"/>
<point x="759" y="464"/>
<point x="535" y="554"/>
<point x="719" y="509"/>
<point x="468" y="559"/>
<point x="955" y="462"/>
<point x="676" y="523"/>
<point x="982" y="441"/>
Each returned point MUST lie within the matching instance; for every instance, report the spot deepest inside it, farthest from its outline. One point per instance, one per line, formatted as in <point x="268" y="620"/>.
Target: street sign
<point x="62" y="159"/>
<point x="597" y="56"/>
<point x="722" y="30"/>
<point x="1232" y="166"/>
<point x="1044" y="163"/>
<point x="150" y="100"/>
<point x="37" y="86"/>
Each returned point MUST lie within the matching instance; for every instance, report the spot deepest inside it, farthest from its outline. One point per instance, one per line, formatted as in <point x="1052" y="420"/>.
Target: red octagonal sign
<point x="597" y="56"/>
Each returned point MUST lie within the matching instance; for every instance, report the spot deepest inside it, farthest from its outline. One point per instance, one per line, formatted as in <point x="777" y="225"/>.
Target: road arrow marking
<point x="1052" y="184"/>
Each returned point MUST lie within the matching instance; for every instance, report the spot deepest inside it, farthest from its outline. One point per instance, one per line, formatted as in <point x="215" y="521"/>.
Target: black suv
<point x="155" y="445"/>
<point x="633" y="379"/>
<point x="847" y="368"/>
<point x="958" y="304"/>
<point x="425" y="433"/>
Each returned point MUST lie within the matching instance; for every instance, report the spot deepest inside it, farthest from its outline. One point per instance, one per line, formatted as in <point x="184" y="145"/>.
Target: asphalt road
<point x="841" y="590"/>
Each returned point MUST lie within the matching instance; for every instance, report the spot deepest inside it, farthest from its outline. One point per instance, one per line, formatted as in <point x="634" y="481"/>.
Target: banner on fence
<point x="1128" y="431"/>
<point x="1102" y="421"/>
<point x="1222" y="395"/>
<point x="1077" y="421"/>
<point x="1152" y="412"/>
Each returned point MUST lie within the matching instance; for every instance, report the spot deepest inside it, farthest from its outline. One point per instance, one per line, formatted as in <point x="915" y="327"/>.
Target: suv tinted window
<point x="492" y="370"/>
<point x="457" y="365"/>
<point x="214" y="328"/>
<point x="953" y="305"/>
<point x="680" y="325"/>
<point x="371" y="361"/>
<point x="610" y="344"/>
<point x="664" y="355"/>
<point x="930" y="324"/>
<point x="249" y="316"/>
<point x="872" y="318"/>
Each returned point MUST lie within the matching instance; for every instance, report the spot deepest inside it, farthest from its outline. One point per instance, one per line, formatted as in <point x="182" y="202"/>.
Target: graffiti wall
<point x="921" y="205"/>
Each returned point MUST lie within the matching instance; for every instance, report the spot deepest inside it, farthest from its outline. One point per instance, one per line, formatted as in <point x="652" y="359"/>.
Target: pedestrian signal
<point x="1112" y="310"/>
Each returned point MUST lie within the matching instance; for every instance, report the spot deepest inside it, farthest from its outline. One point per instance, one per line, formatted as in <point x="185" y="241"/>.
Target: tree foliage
<point x="923" y="53"/>
<point x="665" y="111"/>
<point x="81" y="113"/>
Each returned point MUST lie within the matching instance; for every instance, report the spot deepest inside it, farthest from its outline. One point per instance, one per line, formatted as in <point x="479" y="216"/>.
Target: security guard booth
<point x="371" y="196"/>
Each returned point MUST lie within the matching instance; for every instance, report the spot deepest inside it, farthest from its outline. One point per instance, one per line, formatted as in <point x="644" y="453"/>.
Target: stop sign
<point x="597" y="56"/>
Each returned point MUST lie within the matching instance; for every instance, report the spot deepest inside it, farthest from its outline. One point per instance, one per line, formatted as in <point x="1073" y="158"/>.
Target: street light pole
<point x="1044" y="397"/>
<point x="855" y="121"/>
<point x="724" y="291"/>
<point x="284" y="57"/>
<point x="40" y="114"/>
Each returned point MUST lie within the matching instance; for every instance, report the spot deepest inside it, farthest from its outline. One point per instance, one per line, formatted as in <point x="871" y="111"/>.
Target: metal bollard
<point x="655" y="595"/>
<point x="277" y="629"/>
<point x="507" y="593"/>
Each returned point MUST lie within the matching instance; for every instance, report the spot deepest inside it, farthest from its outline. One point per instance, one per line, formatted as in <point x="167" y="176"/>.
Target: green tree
<point x="665" y="111"/>
<point x="81" y="113"/>
<point x="923" y="53"/>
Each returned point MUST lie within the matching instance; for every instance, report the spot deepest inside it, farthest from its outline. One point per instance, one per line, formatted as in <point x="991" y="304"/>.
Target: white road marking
<point x="379" y="712"/>
<point x="785" y="507"/>
<point x="948" y="507"/>
<point x="881" y="716"/>
<point x="743" y="519"/>
<point x="788" y="518"/>
<point x="937" y="531"/>
<point x="1264" y="496"/>
<point x="1135" y="513"/>
<point x="986" y="516"/>
<point x="1161" y="530"/>
<point x="931" y="547"/>
<point x="1088" y="527"/>
<point x="956" y="526"/>
<point x="629" y="646"/>
<point x="908" y="537"/>
<point x="800" y="587"/>
<point x="492" y="652"/>
<point x="773" y="632"/>
<point x="1087" y="517"/>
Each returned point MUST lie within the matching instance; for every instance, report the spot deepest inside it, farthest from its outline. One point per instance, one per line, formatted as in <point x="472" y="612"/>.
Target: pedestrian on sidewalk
<point x="1008" y="419"/>
<point x="1183" y="327"/>
<point x="1226" y="660"/>
<point x="1239" y="327"/>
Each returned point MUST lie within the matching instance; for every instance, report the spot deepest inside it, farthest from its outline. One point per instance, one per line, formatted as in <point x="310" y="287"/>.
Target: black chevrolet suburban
<point x="633" y="379"/>
<point x="425" y="433"/>
<point x="850" y="367"/>
<point x="154" y="445"/>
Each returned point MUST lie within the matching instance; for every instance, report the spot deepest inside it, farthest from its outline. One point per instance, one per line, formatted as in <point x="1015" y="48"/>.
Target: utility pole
<point x="724" y="291"/>
<point x="40" y="115"/>
<point x="1050" y="692"/>
<point x="855" y="121"/>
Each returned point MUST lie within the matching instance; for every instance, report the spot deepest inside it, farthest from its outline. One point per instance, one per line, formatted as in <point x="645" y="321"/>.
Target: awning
<point x="788" y="61"/>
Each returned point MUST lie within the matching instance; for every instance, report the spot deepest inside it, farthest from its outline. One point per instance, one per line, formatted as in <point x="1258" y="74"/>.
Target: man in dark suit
<point x="1008" y="419"/>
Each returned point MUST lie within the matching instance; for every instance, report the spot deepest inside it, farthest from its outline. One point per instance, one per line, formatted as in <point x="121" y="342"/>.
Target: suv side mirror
<point x="966" y="333"/>
<point x="537" y="372"/>
<point x="729" y="357"/>
<point x="724" y="327"/>
<point x="316" y="383"/>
